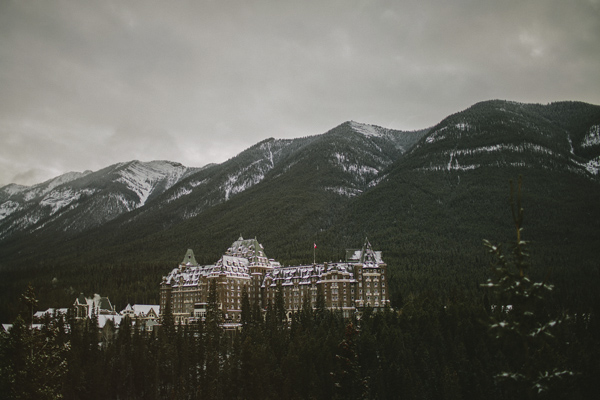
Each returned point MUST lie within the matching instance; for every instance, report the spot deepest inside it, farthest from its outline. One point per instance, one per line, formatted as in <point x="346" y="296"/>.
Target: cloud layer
<point x="88" y="84"/>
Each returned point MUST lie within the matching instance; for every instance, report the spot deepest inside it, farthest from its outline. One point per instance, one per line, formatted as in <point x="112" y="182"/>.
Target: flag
<point x="315" y="245"/>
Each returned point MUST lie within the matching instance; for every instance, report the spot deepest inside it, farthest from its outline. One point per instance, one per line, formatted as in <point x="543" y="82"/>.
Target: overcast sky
<point x="85" y="84"/>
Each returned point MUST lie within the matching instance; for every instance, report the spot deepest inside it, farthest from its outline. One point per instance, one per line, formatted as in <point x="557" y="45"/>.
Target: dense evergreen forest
<point x="510" y="343"/>
<point x="428" y="350"/>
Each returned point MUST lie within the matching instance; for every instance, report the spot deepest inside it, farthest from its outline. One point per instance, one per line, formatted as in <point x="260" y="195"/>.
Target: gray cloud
<point x="87" y="84"/>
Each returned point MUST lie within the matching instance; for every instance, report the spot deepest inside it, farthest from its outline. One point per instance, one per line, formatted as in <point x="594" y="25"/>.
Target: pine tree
<point x="213" y="334"/>
<point x="517" y="317"/>
<point x="320" y="309"/>
<point x="29" y="299"/>
<point x="307" y="314"/>
<point x="280" y="311"/>
<point x="168" y="321"/>
<point x="32" y="361"/>
<point x="349" y="381"/>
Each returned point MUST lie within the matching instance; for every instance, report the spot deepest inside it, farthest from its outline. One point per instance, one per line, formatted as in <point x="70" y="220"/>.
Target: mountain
<point x="451" y="191"/>
<point x="561" y="136"/>
<point x="425" y="198"/>
<point x="75" y="202"/>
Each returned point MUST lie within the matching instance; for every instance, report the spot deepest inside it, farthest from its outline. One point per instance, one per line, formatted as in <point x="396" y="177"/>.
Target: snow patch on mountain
<point x="7" y="208"/>
<point x="344" y="191"/>
<point x="593" y="166"/>
<point x="463" y="126"/>
<point x="536" y="148"/>
<point x="143" y="178"/>
<point x="66" y="178"/>
<point x="347" y="166"/>
<point x="42" y="189"/>
<point x="235" y="183"/>
<point x="247" y="176"/>
<point x="436" y="136"/>
<point x="58" y="199"/>
<point x="367" y="130"/>
<point x="592" y="138"/>
<point x="127" y="204"/>
<point x="198" y="183"/>
<point x="183" y="191"/>
<point x="13" y="189"/>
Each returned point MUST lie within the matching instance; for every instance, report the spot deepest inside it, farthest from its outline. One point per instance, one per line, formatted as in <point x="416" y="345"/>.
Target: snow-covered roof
<point x="51" y="311"/>
<point x="366" y="256"/>
<point x="236" y="262"/>
<point x="245" y="254"/>
<point x="305" y="274"/>
<point x="141" y="310"/>
<point x="97" y="304"/>
<point x="144" y="309"/>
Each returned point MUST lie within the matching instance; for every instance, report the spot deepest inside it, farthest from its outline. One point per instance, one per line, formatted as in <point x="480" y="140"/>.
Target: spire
<point x="367" y="252"/>
<point x="189" y="258"/>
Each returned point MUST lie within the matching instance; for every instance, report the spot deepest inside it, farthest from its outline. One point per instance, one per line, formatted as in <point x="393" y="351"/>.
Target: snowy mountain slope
<point x="500" y="133"/>
<point x="78" y="201"/>
<point x="350" y="157"/>
<point x="355" y="155"/>
<point x="15" y="197"/>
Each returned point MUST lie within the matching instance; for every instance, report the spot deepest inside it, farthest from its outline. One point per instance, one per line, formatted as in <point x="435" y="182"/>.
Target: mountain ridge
<point x="417" y="195"/>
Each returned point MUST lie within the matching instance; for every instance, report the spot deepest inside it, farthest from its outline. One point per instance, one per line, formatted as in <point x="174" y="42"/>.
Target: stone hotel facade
<point x="348" y="286"/>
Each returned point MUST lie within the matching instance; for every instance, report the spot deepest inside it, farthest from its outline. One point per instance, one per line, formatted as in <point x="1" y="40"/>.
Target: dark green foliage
<point x="519" y="317"/>
<point x="429" y="349"/>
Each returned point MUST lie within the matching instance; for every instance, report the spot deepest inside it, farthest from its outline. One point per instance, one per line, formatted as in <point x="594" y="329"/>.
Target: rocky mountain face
<point x="75" y="202"/>
<point x="560" y="136"/>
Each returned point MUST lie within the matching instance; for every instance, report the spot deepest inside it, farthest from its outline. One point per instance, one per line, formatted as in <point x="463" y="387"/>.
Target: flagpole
<point x="314" y="252"/>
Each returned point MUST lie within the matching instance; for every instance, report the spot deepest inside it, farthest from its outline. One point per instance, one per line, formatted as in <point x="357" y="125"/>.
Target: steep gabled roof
<point x="189" y="258"/>
<point x="366" y="255"/>
<point x="81" y="300"/>
<point x="247" y="248"/>
<point x="104" y="304"/>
